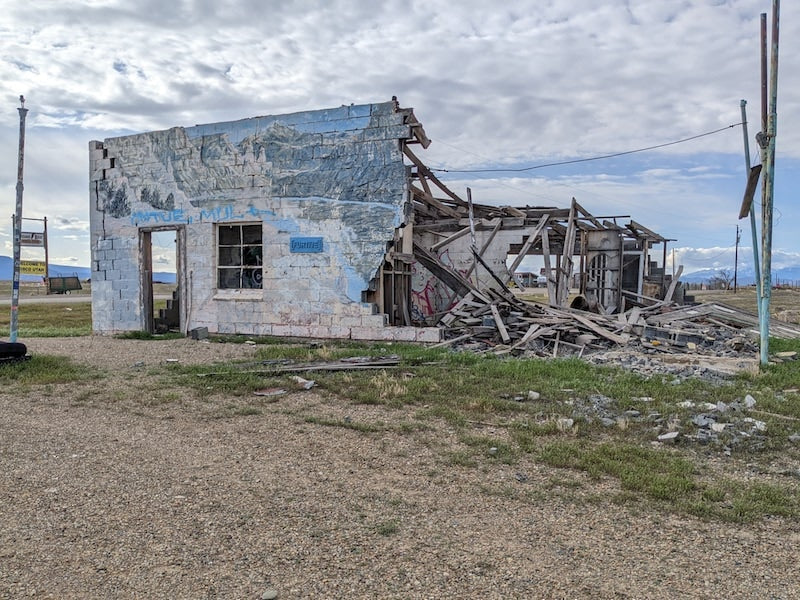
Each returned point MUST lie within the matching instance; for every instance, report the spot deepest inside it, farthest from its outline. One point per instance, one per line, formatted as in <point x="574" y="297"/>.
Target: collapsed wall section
<point x="431" y="297"/>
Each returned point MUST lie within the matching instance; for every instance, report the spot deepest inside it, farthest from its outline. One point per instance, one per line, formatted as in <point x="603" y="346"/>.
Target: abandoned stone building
<point x="326" y="224"/>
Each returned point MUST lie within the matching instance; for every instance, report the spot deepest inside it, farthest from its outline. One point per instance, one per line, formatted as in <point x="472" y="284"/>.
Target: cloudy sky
<point x="503" y="85"/>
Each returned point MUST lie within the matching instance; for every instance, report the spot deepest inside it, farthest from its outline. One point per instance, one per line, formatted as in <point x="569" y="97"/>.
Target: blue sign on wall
<point x="305" y="245"/>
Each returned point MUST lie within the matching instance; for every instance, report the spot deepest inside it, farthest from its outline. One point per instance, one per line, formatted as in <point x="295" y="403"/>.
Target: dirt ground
<point x="110" y="495"/>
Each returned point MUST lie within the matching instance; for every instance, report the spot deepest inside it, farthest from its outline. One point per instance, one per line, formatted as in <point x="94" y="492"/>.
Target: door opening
<point x="162" y="296"/>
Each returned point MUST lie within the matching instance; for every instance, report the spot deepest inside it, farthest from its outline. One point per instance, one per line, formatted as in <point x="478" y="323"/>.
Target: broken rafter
<point x="423" y="170"/>
<point x="451" y="278"/>
<point x="427" y="198"/>
<point x="457" y="235"/>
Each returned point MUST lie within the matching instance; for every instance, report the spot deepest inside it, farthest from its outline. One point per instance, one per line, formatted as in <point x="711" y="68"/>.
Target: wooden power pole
<point x="767" y="143"/>
<point x="18" y="225"/>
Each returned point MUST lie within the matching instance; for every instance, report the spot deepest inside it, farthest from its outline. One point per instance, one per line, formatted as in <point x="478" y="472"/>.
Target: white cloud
<point x="698" y="259"/>
<point x="510" y="84"/>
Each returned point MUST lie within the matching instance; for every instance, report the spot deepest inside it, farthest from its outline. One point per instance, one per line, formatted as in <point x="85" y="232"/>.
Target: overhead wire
<point x="591" y="158"/>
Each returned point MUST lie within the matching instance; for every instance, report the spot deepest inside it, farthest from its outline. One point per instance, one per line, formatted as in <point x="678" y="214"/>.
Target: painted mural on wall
<point x="339" y="168"/>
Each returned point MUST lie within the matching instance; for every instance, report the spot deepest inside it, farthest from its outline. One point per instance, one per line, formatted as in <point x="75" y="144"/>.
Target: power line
<point x="581" y="160"/>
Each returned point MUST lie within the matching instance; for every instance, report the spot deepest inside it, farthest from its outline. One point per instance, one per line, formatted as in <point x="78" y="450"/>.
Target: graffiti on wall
<point x="430" y="296"/>
<point x="218" y="214"/>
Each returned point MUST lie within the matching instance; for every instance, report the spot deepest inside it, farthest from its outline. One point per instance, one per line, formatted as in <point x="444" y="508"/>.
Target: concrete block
<point x="361" y="110"/>
<point x="199" y="333"/>
<point x="384" y="108"/>
<point x="281" y="330"/>
<point x="347" y="321"/>
<point x="104" y="244"/>
<point x="263" y="329"/>
<point x="339" y="333"/>
<point x="374" y="320"/>
<point x="404" y="334"/>
<point x="371" y="333"/>
<point x="300" y="331"/>
<point x="245" y="328"/>
<point x="387" y="133"/>
<point x="429" y="334"/>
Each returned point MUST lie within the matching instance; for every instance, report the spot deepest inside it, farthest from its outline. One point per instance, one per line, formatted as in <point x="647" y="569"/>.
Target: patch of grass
<point x="461" y="458"/>
<point x="527" y="434"/>
<point x="220" y="380"/>
<point x="657" y="475"/>
<point x="246" y="411"/>
<point x="452" y="416"/>
<point x="739" y="502"/>
<point x="50" y="320"/>
<point x="44" y="369"/>
<point x="159" y="397"/>
<point x="144" y="335"/>
<point x="490" y="447"/>
<point x="344" y="423"/>
<point x="757" y="499"/>
<point x="671" y="480"/>
<point x="387" y="528"/>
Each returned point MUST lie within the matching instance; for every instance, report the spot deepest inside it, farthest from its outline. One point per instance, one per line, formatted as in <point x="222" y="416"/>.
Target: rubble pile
<point x="503" y="324"/>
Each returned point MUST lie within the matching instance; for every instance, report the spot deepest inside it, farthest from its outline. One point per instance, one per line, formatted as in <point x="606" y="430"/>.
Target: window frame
<point x="240" y="258"/>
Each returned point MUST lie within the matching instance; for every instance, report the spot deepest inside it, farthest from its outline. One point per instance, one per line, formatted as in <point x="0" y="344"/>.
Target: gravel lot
<point x="106" y="493"/>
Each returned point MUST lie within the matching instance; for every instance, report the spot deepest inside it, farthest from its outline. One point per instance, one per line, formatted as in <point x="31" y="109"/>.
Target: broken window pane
<point x="251" y="278"/>
<point x="251" y="234"/>
<point x="229" y="279"/>
<point x="252" y="256"/>
<point x="230" y="257"/>
<point x="230" y="235"/>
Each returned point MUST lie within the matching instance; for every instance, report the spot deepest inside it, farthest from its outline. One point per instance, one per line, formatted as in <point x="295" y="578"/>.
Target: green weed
<point x="346" y="424"/>
<point x="387" y="528"/>
<point x="43" y="369"/>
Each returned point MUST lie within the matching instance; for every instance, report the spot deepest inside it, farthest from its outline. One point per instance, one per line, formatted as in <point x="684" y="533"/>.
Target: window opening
<point x="239" y="257"/>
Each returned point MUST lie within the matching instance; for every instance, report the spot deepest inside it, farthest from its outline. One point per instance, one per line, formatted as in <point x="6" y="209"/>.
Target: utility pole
<point x="736" y="260"/>
<point x="18" y="224"/>
<point x="767" y="143"/>
<point x="752" y="211"/>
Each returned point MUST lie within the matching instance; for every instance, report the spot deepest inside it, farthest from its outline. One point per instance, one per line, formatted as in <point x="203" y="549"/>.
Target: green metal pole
<point x="18" y="225"/>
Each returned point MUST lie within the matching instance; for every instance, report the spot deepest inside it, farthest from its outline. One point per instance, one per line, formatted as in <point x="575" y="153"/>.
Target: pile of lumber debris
<point x="505" y="324"/>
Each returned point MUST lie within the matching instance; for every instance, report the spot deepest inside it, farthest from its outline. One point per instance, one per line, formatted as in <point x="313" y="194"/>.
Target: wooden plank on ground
<point x="602" y="332"/>
<point x="498" y="321"/>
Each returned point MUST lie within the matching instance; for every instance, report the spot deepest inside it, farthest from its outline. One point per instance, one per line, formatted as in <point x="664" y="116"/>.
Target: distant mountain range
<point x="83" y="273"/>
<point x="744" y="276"/>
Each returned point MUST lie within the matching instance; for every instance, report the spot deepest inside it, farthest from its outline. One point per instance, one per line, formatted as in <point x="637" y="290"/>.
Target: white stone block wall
<point x="334" y="174"/>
